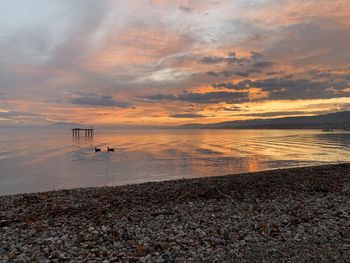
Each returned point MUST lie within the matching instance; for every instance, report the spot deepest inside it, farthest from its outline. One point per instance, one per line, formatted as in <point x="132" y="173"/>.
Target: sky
<point x="162" y="62"/>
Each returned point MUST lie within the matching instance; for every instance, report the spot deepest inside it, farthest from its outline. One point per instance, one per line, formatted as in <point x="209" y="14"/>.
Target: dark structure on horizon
<point x="88" y="132"/>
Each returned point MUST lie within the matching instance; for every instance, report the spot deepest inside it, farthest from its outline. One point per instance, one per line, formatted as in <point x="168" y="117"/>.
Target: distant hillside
<point x="338" y="120"/>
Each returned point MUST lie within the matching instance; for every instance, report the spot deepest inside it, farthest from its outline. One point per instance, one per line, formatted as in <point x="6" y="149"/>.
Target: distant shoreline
<point x="296" y="214"/>
<point x="170" y="128"/>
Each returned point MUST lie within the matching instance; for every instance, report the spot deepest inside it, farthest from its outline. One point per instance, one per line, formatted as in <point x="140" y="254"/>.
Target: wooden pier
<point x="87" y="132"/>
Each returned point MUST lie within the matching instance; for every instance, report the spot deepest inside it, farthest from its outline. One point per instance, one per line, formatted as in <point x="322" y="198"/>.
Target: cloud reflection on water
<point x="42" y="161"/>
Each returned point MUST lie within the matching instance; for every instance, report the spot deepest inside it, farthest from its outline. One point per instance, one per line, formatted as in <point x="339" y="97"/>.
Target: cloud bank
<point x="138" y="59"/>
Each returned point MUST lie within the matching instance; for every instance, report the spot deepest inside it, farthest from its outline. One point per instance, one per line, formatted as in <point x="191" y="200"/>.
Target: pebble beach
<point x="285" y="215"/>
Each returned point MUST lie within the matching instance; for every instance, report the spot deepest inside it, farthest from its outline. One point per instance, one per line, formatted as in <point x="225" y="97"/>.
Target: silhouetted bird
<point x="110" y="149"/>
<point x="97" y="150"/>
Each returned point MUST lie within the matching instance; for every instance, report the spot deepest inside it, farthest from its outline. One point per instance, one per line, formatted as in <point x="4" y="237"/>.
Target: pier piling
<point x="87" y="132"/>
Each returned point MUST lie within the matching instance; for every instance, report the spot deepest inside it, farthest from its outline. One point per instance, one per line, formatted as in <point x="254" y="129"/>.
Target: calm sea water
<point x="32" y="161"/>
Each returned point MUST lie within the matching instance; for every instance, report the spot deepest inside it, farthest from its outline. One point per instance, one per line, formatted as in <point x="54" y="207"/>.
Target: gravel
<point x="287" y="215"/>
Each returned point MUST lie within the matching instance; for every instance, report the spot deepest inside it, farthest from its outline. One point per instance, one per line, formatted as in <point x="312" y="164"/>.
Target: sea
<point x="41" y="160"/>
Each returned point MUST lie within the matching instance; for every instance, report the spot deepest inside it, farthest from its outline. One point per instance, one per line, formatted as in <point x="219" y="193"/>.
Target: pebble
<point x="346" y="233"/>
<point x="267" y="217"/>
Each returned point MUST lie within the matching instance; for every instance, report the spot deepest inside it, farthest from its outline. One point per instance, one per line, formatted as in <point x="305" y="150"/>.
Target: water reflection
<point x="37" y="161"/>
<point x="82" y="139"/>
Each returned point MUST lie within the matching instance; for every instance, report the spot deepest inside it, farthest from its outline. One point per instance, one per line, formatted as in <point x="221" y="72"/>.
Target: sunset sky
<point x="159" y="62"/>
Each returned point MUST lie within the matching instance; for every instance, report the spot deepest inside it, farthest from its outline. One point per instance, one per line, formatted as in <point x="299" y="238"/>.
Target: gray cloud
<point x="226" y="85"/>
<point x="212" y="60"/>
<point x="161" y="97"/>
<point x="109" y="46"/>
<point x="202" y="98"/>
<point x="233" y="59"/>
<point x="324" y="41"/>
<point x="247" y="73"/>
<point x="242" y="73"/>
<point x="284" y="88"/>
<point x="288" y="88"/>
<point x="254" y="70"/>
<point x="264" y="64"/>
<point x="21" y="117"/>
<point x="213" y="74"/>
<point x="274" y="113"/>
<point x="55" y="39"/>
<point x="227" y="73"/>
<point x="11" y="114"/>
<point x="187" y="115"/>
<point x="270" y="73"/>
<point x="92" y="99"/>
<point x="186" y="9"/>
<point x="231" y="108"/>
<point x="230" y="59"/>
<point x="256" y="55"/>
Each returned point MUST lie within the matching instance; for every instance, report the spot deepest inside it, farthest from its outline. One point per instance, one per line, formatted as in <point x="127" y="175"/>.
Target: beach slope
<point x="287" y="215"/>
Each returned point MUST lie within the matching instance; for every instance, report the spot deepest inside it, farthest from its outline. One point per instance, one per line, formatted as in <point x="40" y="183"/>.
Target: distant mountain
<point x="337" y="120"/>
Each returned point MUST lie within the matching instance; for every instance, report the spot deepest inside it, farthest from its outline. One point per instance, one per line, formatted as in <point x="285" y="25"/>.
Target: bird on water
<point x="110" y="149"/>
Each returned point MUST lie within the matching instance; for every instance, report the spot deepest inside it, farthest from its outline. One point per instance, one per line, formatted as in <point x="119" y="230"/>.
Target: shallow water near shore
<point x="33" y="160"/>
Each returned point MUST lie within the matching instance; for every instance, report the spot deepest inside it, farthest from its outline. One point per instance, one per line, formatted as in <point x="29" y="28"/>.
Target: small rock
<point x="42" y="259"/>
<point x="4" y="223"/>
<point x="140" y="250"/>
<point x="22" y="258"/>
<point x="62" y="256"/>
<point x="74" y="248"/>
<point x="346" y="233"/>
